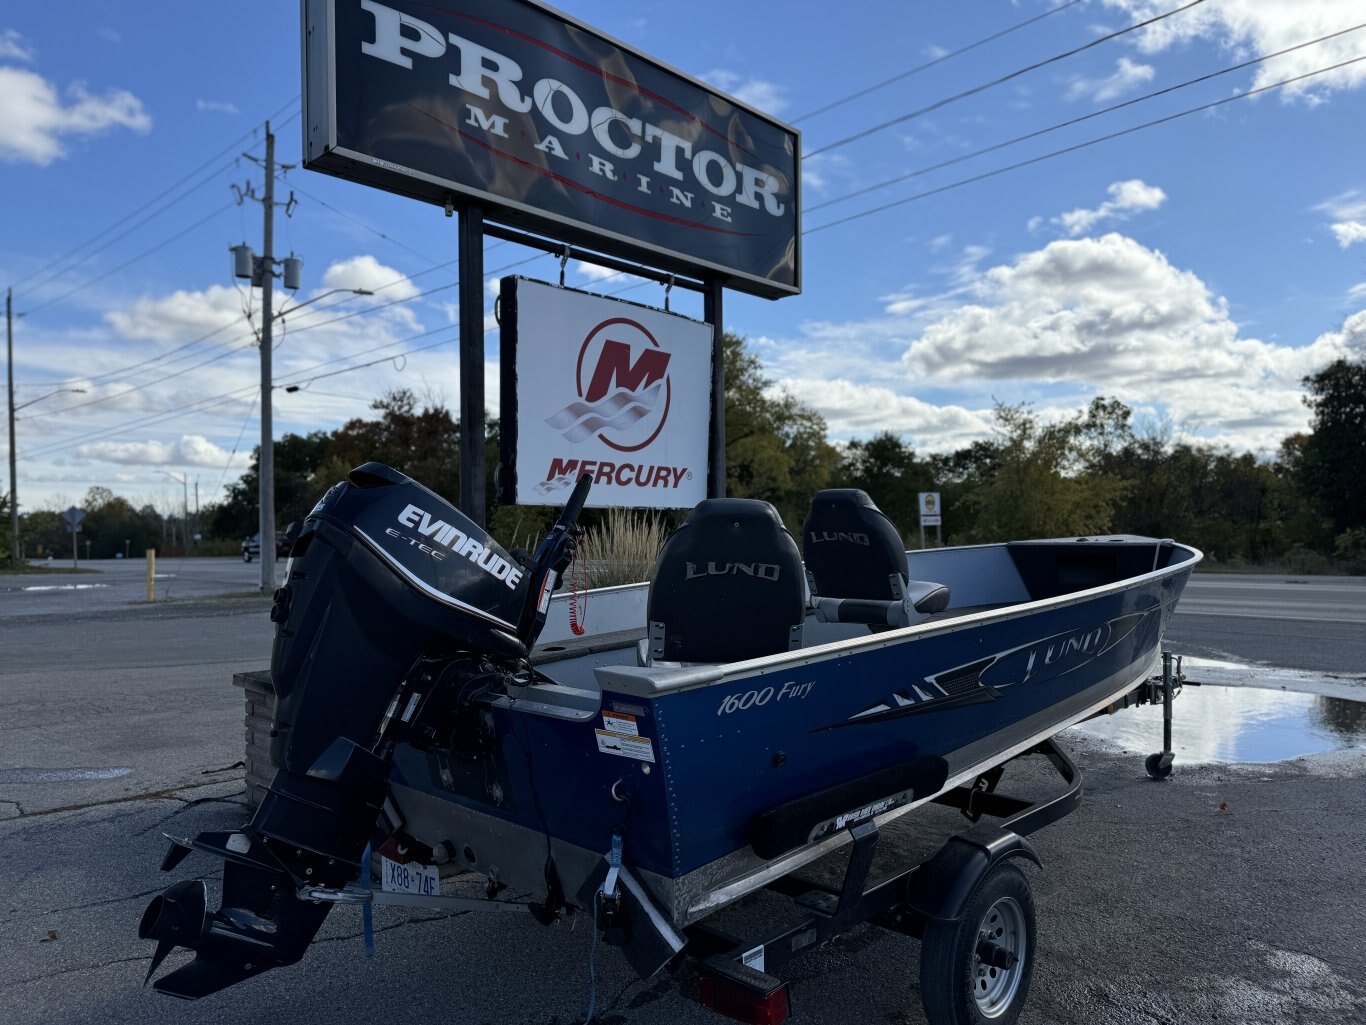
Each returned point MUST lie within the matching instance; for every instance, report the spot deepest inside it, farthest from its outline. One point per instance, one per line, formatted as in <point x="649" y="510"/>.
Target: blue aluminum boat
<point x="755" y="706"/>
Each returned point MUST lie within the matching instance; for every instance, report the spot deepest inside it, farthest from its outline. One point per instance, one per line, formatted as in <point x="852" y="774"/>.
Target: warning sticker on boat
<point x="616" y="722"/>
<point x="626" y="746"/>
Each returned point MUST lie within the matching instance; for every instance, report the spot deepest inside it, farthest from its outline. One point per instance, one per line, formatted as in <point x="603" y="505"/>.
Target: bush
<point x="1305" y="560"/>
<point x="1350" y="549"/>
<point x="622" y="549"/>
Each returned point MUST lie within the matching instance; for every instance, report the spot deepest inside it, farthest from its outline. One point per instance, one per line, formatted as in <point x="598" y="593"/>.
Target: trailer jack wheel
<point x="976" y="971"/>
<point x="1159" y="764"/>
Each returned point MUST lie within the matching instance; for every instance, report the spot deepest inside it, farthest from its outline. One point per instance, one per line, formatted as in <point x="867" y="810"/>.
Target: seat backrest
<point x="851" y="549"/>
<point x="727" y="586"/>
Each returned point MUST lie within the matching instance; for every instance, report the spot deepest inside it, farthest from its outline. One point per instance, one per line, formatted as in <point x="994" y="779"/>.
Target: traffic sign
<point x="73" y="516"/>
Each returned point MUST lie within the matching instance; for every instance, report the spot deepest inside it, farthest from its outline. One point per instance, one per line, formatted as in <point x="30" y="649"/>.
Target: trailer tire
<point x="957" y="987"/>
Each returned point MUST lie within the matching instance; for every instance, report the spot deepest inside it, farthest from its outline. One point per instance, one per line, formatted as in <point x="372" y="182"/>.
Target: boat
<point x="753" y="707"/>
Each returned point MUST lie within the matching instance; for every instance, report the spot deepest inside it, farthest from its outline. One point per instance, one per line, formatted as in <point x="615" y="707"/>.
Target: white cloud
<point x="188" y="450"/>
<point x="365" y="272"/>
<point x="216" y="107"/>
<point x="13" y="46"/>
<point x="34" y="118"/>
<point x="180" y="316"/>
<point x="1125" y="198"/>
<point x="1108" y="315"/>
<point x="851" y="408"/>
<point x="1128" y="76"/>
<point x="1348" y="232"/>
<point x="1251" y="27"/>
<point x="758" y="93"/>
<point x="1347" y="216"/>
<point x="597" y="274"/>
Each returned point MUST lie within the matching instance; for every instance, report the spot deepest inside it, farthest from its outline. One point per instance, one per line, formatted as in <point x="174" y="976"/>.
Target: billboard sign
<point x="554" y="127"/>
<point x="599" y="386"/>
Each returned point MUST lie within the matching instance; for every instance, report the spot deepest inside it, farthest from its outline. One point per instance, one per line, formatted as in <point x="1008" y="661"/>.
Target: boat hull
<point x="710" y="750"/>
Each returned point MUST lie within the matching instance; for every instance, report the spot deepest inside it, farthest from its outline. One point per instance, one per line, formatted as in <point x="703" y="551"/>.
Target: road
<point x="117" y="583"/>
<point x="1295" y="622"/>
<point x="1227" y="894"/>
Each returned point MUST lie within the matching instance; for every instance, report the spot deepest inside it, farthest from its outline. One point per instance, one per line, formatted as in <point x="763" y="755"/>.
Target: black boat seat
<point x="856" y="564"/>
<point x="727" y="586"/>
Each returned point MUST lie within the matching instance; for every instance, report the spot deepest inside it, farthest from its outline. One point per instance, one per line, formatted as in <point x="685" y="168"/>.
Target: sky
<point x="1196" y="269"/>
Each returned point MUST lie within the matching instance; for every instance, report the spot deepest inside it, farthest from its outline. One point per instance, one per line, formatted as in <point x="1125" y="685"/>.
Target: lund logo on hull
<point x="985" y="679"/>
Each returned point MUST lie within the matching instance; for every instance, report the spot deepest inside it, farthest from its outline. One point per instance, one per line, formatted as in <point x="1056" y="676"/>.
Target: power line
<point x="165" y="356"/>
<point x="1080" y="146"/>
<point x="151" y="202"/>
<point x="938" y="60"/>
<point x="996" y="81"/>
<point x="215" y="173"/>
<point x="237" y="444"/>
<point x="1074" y="121"/>
<point x="209" y="403"/>
<point x="230" y="352"/>
<point x="358" y="221"/>
<point x="128" y="263"/>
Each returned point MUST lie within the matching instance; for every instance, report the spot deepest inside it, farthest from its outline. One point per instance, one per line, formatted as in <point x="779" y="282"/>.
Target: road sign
<point x="73" y="516"/>
<point x="931" y="521"/>
<point x="929" y="504"/>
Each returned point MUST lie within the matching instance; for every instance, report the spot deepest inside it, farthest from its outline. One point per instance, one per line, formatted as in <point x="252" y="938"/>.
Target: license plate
<point x="409" y="877"/>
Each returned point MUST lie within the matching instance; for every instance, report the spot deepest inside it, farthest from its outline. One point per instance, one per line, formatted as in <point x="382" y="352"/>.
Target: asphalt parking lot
<point x="1225" y="894"/>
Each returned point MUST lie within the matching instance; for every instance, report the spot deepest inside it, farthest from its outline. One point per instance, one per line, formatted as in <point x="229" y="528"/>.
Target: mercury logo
<point x="622" y="380"/>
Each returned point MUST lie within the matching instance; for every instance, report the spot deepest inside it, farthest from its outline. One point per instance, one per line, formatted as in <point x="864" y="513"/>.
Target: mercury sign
<point x="604" y="387"/>
<point x="553" y="127"/>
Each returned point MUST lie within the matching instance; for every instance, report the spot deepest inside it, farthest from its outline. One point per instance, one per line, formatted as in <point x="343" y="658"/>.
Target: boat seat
<point x="727" y="586"/>
<point x="856" y="564"/>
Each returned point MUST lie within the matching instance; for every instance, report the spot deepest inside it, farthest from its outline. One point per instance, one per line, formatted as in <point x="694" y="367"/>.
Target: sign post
<point x="73" y="517"/>
<point x="931" y="515"/>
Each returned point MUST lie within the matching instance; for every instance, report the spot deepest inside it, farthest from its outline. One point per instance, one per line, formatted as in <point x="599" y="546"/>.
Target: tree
<point x="297" y="457"/>
<point x="775" y="445"/>
<point x="1332" y="463"/>
<point x="114" y="527"/>
<point x="423" y="442"/>
<point x="1039" y="486"/>
<point x="886" y="468"/>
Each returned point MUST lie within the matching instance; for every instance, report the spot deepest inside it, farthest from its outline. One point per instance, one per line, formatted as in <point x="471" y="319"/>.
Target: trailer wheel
<point x="1156" y="770"/>
<point x="976" y="970"/>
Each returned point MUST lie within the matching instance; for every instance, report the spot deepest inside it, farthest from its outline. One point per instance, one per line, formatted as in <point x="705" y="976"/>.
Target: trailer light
<point x="744" y="1002"/>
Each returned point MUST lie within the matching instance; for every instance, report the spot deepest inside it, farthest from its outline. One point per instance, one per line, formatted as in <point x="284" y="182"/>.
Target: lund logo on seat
<point x="838" y="535"/>
<point x="762" y="570"/>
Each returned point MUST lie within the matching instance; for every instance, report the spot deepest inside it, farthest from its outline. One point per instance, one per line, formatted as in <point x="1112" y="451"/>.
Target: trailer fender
<point x="940" y="888"/>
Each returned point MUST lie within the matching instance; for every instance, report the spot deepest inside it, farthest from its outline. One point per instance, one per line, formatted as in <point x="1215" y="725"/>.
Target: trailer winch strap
<point x="609" y="885"/>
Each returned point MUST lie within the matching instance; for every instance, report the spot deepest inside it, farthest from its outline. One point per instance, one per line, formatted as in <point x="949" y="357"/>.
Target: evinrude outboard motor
<point x="387" y="587"/>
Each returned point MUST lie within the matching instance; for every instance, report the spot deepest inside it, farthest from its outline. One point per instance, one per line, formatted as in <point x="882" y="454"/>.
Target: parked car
<point x="251" y="547"/>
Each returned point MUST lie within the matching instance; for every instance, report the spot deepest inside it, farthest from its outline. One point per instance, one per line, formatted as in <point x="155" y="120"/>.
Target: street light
<point x="25" y="405"/>
<point x="184" y="481"/>
<point x="330" y="291"/>
<point x="13" y="444"/>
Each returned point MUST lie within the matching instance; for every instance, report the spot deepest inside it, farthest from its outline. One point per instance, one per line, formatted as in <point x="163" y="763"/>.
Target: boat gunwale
<point x="645" y="681"/>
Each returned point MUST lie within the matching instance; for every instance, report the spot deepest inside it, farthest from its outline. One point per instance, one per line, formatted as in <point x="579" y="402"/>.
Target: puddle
<point x="1239" y="724"/>
<point x="62" y="587"/>
<point x="26" y="776"/>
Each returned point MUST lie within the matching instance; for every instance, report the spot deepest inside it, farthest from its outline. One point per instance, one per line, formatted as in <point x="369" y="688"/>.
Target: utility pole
<point x="267" y="458"/>
<point x="261" y="270"/>
<point x="13" y="447"/>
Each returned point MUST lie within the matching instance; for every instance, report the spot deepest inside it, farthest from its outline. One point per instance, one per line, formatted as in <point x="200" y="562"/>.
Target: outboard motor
<point x="387" y="588"/>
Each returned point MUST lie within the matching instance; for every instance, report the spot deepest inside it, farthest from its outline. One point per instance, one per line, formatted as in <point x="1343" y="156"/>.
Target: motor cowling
<point x="383" y="576"/>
